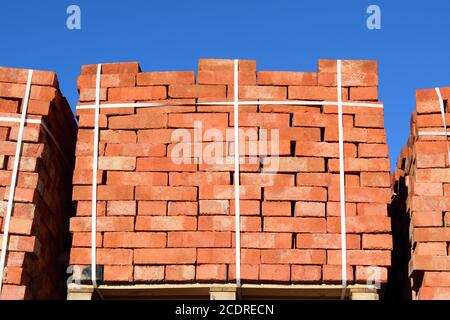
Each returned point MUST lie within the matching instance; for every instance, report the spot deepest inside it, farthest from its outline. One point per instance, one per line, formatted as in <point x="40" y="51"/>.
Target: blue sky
<point x="412" y="47"/>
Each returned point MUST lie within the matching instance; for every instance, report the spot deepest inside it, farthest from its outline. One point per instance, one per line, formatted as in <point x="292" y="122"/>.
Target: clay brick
<point x="323" y="149"/>
<point x="137" y="178"/>
<point x="326" y="241"/>
<point x="375" y="179"/>
<point x="312" y="93"/>
<point x="164" y="164"/>
<point x="266" y="180"/>
<point x="372" y="150"/>
<point x="364" y="93"/>
<point x="197" y="91"/>
<point x="225" y="77"/>
<point x="146" y="121"/>
<point x="306" y="274"/>
<point x="226" y="192"/>
<point x="137" y="93"/>
<point x="293" y="256"/>
<point x="134" y="240"/>
<point x="431" y="248"/>
<point x="104" y="256"/>
<point x="266" y="240"/>
<point x="135" y="150"/>
<point x="168" y="223"/>
<point x="182" y="208"/>
<point x="431" y="234"/>
<point x="166" y="193"/>
<point x="377" y="241"/>
<point x="333" y="273"/>
<point x="180" y="273"/>
<point x="106" y="80"/>
<point x="360" y="224"/>
<point x="309" y="209"/>
<point x="367" y="120"/>
<point x="275" y="272"/>
<point x="198" y="178"/>
<point x="288" y="224"/>
<point x="430" y="263"/>
<point x="260" y="92"/>
<point x="148" y="273"/>
<point x="296" y="193"/>
<point x="226" y="223"/>
<point x="165" y="256"/>
<point x="152" y="208"/>
<point x="211" y="272"/>
<point x="118" y="273"/>
<point x="112" y="68"/>
<point x="283" y="78"/>
<point x="361" y="257"/>
<point x="117" y="163"/>
<point x="83" y="224"/>
<point x="276" y="208"/>
<point x="199" y="239"/>
<point x="436" y="279"/>
<point x="165" y="78"/>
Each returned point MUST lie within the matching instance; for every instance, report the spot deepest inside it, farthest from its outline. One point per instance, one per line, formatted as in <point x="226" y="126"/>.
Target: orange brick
<point x="165" y="223"/>
<point x="364" y="93"/>
<point x="306" y="274"/>
<point x="137" y="178"/>
<point x="211" y="272"/>
<point x="165" y="78"/>
<point x="326" y="241"/>
<point x="137" y="93"/>
<point x="180" y="273"/>
<point x="118" y="273"/>
<point x="134" y="240"/>
<point x="293" y="256"/>
<point x="197" y="91"/>
<point x="282" y="78"/>
<point x="377" y="241"/>
<point x="148" y="273"/>
<point x="276" y="208"/>
<point x="296" y="193"/>
<point x="289" y="224"/>
<point x="275" y="272"/>
<point x="309" y="209"/>
<point x="266" y="240"/>
<point x="165" y="256"/>
<point x="166" y="193"/>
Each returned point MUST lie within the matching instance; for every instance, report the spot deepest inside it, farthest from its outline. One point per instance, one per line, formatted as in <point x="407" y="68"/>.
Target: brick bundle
<point x="421" y="183"/>
<point x="37" y="253"/>
<point x="168" y="216"/>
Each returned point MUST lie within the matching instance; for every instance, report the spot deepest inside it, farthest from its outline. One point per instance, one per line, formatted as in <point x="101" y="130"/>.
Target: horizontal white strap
<point x="434" y="133"/>
<point x="229" y="103"/>
<point x="13" y="119"/>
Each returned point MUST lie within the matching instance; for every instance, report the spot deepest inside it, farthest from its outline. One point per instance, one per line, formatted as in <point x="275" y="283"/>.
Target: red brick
<point x="226" y="192"/>
<point x="260" y="92"/>
<point x="137" y="178"/>
<point x="375" y="179"/>
<point x="226" y="223"/>
<point x="148" y="273"/>
<point x="112" y="68"/>
<point x="117" y="163"/>
<point x="161" y="223"/>
<point x="377" y="241"/>
<point x="164" y="164"/>
<point x="431" y="234"/>
<point x="309" y="209"/>
<point x="134" y="240"/>
<point x="436" y="279"/>
<point x="275" y="272"/>
<point x="364" y="93"/>
<point x="296" y="193"/>
<point x="198" y="239"/>
<point x="118" y="273"/>
<point x="137" y="93"/>
<point x="266" y="240"/>
<point x="214" y="207"/>
<point x="182" y="208"/>
<point x="104" y="193"/>
<point x="104" y="256"/>
<point x="180" y="273"/>
<point x="293" y="256"/>
<point x="281" y="78"/>
<point x="360" y="224"/>
<point x="197" y="91"/>
<point x="371" y="275"/>
<point x="166" y="193"/>
<point x="135" y="150"/>
<point x="165" y="78"/>
<point x="211" y="272"/>
<point x="83" y="224"/>
<point x="333" y="273"/>
<point x="165" y="256"/>
<point x="276" y="208"/>
<point x="138" y="121"/>
<point x="431" y="248"/>
<point x="372" y="150"/>
<point x="225" y="77"/>
<point x="306" y="274"/>
<point x="198" y="178"/>
<point x="312" y="93"/>
<point x="289" y="224"/>
<point x="106" y="80"/>
<point x="361" y="257"/>
<point x="326" y="241"/>
<point x="152" y="208"/>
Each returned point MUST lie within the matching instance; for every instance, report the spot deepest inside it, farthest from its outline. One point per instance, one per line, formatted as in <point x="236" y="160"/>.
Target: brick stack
<point x="168" y="216"/>
<point x="422" y="185"/>
<point x="37" y="253"/>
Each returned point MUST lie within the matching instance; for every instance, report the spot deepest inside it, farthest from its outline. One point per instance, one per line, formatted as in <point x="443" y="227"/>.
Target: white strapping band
<point x="236" y="174"/>
<point x="94" y="180"/>
<point x="342" y="181"/>
<point x="434" y="133"/>
<point x="18" y="120"/>
<point x="12" y="186"/>
<point x="229" y="103"/>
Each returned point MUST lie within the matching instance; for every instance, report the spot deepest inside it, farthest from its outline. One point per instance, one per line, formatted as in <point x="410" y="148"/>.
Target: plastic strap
<point x="237" y="173"/>
<point x="342" y="181"/>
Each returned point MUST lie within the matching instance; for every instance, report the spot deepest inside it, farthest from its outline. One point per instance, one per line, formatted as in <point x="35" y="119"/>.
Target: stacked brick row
<point x="38" y="245"/>
<point x="422" y="185"/>
<point x="166" y="200"/>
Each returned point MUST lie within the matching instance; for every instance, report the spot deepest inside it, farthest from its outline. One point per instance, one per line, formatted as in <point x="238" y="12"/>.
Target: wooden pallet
<point x="220" y="292"/>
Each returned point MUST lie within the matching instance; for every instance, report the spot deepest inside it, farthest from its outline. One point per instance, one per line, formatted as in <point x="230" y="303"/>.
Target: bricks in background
<point x="420" y="182"/>
<point x="38" y="233"/>
<point x="167" y="222"/>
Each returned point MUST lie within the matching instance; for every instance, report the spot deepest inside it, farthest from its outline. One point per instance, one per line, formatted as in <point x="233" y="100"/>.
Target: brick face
<point x="166" y="192"/>
<point x="421" y="179"/>
<point x="39" y="225"/>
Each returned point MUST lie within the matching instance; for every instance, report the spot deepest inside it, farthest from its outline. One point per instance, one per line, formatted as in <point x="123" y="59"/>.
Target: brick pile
<point x="37" y="248"/>
<point x="161" y="221"/>
<point x="421" y="183"/>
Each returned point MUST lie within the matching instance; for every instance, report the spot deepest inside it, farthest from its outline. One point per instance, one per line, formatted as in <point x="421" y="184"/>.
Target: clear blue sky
<point x="412" y="48"/>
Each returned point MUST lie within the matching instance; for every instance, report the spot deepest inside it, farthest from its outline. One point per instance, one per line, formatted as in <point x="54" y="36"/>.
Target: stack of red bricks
<point x="423" y="172"/>
<point x="166" y="197"/>
<point x="37" y="245"/>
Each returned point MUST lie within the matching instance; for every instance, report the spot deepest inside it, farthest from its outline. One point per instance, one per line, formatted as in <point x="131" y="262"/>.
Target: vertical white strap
<point x="236" y="174"/>
<point x="441" y="105"/>
<point x="12" y="186"/>
<point x="94" y="180"/>
<point x="342" y="181"/>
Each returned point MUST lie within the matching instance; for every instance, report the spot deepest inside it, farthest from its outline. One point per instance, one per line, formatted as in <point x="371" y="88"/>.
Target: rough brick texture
<point x="166" y="205"/>
<point x="421" y="207"/>
<point x="38" y="244"/>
